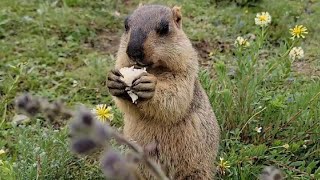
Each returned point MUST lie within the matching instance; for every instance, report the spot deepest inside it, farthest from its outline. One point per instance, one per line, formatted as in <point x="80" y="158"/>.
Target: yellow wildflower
<point x="298" y="31"/>
<point x="262" y="19"/>
<point x="223" y="166"/>
<point x="296" y="53"/>
<point x="103" y="113"/>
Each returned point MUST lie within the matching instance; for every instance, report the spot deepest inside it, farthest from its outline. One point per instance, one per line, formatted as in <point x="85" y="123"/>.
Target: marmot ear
<point x="176" y="11"/>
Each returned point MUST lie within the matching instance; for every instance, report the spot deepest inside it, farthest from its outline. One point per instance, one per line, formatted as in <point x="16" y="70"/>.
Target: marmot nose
<point x="135" y="53"/>
<point x="135" y="45"/>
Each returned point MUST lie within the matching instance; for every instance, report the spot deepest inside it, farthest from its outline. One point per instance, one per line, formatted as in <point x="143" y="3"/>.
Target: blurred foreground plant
<point x="87" y="134"/>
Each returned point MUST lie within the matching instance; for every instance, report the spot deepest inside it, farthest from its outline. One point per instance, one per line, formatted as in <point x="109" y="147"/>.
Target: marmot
<point x="173" y="109"/>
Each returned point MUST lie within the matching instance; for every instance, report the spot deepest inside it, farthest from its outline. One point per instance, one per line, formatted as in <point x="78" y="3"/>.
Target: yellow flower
<point x="2" y="151"/>
<point x="286" y="146"/>
<point x="262" y="19"/>
<point x="296" y="53"/>
<point x="103" y="113"/>
<point x="240" y="41"/>
<point x="223" y="166"/>
<point x="298" y="31"/>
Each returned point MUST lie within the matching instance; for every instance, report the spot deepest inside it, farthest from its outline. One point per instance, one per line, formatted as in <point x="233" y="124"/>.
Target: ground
<point x="63" y="49"/>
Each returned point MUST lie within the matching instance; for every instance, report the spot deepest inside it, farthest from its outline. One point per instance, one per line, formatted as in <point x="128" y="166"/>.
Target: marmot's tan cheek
<point x="149" y="49"/>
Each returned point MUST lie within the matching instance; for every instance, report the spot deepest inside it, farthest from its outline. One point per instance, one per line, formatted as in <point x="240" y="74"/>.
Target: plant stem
<point x="277" y="61"/>
<point x="300" y="111"/>
<point x="156" y="170"/>
<point x="251" y="119"/>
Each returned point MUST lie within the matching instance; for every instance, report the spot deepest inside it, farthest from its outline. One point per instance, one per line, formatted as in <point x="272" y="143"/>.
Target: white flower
<point x="74" y="83"/>
<point x="27" y="18"/>
<point x="42" y="154"/>
<point x="36" y="149"/>
<point x="240" y="41"/>
<point x="286" y="146"/>
<point x="296" y="53"/>
<point x="258" y="129"/>
<point x="2" y="151"/>
<point x="15" y="165"/>
<point x="304" y="146"/>
<point x="263" y="19"/>
<point x="117" y="13"/>
<point x="40" y="11"/>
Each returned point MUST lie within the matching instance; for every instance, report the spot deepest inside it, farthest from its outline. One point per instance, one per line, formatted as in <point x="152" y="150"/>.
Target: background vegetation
<point x="64" y="49"/>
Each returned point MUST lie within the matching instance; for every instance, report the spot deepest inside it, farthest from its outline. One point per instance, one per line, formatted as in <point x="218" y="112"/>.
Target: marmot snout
<point x="172" y="109"/>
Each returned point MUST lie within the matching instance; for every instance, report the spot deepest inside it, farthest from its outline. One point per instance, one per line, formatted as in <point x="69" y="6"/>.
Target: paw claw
<point x="117" y="92"/>
<point x="138" y="79"/>
<point x="115" y="85"/>
<point x="144" y="86"/>
<point x="144" y="94"/>
<point x="116" y="72"/>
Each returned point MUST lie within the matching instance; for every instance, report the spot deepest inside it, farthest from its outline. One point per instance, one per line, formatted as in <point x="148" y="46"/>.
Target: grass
<point x="64" y="49"/>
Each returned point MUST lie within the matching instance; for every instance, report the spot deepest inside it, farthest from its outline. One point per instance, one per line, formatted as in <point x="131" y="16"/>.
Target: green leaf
<point x="298" y="163"/>
<point x="311" y="166"/>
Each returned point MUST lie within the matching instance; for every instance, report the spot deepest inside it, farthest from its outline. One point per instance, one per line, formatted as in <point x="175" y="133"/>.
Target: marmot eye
<point x="163" y="27"/>
<point x="126" y="24"/>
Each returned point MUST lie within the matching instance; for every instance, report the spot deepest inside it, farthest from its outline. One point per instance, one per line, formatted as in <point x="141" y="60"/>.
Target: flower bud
<point x="83" y="145"/>
<point x="115" y="166"/>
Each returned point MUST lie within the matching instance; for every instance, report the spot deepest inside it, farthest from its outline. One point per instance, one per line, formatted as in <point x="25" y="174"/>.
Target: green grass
<point x="64" y="49"/>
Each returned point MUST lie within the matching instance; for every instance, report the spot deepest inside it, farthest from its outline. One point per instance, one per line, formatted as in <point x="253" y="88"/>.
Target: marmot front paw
<point x="144" y="86"/>
<point x="115" y="85"/>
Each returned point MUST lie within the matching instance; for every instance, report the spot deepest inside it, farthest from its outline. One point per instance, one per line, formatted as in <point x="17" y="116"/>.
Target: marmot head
<point x="154" y="37"/>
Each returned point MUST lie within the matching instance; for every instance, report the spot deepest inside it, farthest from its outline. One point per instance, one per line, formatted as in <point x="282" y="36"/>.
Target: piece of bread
<point x="130" y="74"/>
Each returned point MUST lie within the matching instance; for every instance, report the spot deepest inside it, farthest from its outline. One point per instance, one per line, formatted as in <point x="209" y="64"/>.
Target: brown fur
<point x="178" y="117"/>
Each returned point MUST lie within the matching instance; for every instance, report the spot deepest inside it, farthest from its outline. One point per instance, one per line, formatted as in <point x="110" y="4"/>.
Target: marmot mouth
<point x="139" y="64"/>
<point x="142" y="64"/>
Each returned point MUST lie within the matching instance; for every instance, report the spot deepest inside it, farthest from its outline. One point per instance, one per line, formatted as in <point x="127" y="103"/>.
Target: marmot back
<point x="172" y="109"/>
